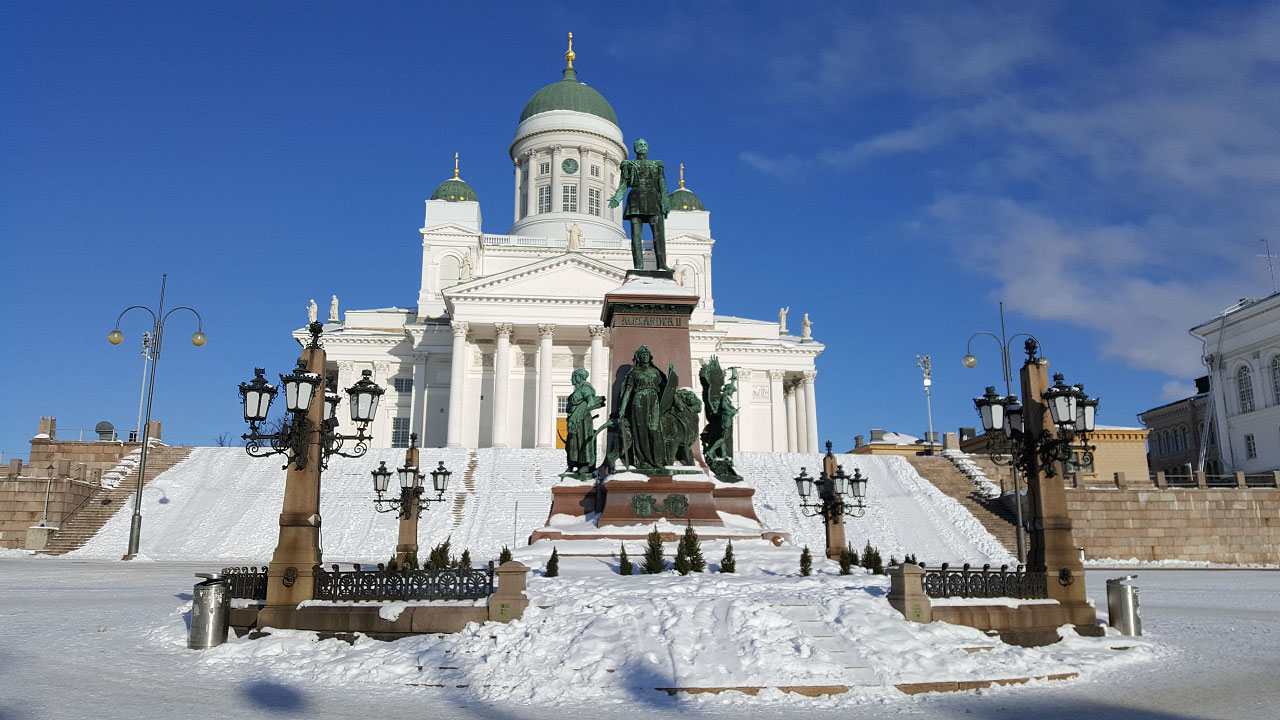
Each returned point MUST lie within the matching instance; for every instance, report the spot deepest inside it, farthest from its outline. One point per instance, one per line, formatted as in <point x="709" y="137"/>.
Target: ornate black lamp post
<point x="307" y="438"/>
<point x="298" y="431"/>
<point x="115" y="337"/>
<point x="834" y="495"/>
<point x="411" y="490"/>
<point x="1073" y="414"/>
<point x="970" y="361"/>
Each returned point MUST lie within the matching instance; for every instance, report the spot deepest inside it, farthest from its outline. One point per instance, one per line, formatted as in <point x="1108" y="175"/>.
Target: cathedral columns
<point x="599" y="375"/>
<point x="515" y="212"/>
<point x="793" y="438"/>
<point x="777" y="412"/>
<point x="382" y="423"/>
<point x="457" y="384"/>
<point x="501" y="385"/>
<point x="556" y="196"/>
<point x="418" y="423"/>
<point x="811" y="410"/>
<point x="802" y="413"/>
<point x="546" y="406"/>
<point x="530" y="182"/>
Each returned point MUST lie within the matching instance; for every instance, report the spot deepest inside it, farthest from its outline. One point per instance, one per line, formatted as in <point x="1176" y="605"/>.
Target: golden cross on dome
<point x="681" y="176"/>
<point x="569" y="56"/>
<point x="455" y="165"/>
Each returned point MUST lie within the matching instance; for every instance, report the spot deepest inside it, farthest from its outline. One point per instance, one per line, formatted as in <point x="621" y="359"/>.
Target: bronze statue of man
<point x="647" y="203"/>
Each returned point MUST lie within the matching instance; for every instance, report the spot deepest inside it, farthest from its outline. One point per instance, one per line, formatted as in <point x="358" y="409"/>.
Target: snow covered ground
<point x="107" y="640"/>
<point x="222" y="504"/>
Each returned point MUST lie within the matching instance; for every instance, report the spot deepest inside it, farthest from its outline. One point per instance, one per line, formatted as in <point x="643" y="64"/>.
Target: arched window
<point x="1275" y="378"/>
<point x="1244" y="386"/>
<point x="450" y="271"/>
<point x="1186" y="438"/>
<point x="1160" y="443"/>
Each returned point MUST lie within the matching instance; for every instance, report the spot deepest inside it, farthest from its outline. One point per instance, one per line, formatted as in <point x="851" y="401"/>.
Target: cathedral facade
<point x="502" y="321"/>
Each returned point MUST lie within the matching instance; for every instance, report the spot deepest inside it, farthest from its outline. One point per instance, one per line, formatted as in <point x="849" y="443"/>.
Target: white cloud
<point x="1176" y="390"/>
<point x="787" y="167"/>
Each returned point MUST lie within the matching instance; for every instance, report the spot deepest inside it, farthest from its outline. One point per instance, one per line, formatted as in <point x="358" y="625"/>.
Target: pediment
<point x="568" y="276"/>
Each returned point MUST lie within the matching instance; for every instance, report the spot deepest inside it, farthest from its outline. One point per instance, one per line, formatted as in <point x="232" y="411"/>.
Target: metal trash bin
<point x="210" y="609"/>
<point x="1122" y="606"/>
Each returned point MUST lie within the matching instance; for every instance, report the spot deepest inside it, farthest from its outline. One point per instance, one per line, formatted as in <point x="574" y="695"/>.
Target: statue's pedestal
<point x="629" y="506"/>
<point x="650" y="309"/>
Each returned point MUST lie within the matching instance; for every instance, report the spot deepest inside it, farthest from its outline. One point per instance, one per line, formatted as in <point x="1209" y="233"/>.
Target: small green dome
<point x="683" y="199"/>
<point x="454" y="190"/>
<point x="569" y="94"/>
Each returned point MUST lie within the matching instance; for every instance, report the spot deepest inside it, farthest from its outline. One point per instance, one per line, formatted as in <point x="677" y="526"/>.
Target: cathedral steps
<point x="104" y="503"/>
<point x="992" y="513"/>
<point x="469" y="482"/>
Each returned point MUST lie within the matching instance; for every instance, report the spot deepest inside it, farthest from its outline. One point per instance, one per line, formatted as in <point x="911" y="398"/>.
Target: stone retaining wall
<point x="1221" y="525"/>
<point x="22" y="504"/>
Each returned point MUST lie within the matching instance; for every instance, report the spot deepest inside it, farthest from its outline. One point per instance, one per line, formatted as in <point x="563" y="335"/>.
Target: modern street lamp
<point x="48" y="486"/>
<point x="115" y="337"/>
<point x="926" y="366"/>
<point x="970" y="361"/>
<point x="834" y="495"/>
<point x="298" y="432"/>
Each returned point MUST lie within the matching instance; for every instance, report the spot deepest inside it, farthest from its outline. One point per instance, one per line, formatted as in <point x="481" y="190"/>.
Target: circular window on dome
<point x="570" y="166"/>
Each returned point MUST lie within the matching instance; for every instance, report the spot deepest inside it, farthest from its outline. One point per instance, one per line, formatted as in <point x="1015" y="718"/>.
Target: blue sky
<point x="894" y="170"/>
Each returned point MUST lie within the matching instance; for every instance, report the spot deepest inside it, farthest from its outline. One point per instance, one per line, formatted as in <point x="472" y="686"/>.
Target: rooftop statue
<point x="333" y="309"/>
<point x="312" y="311"/>
<point x="647" y="203"/>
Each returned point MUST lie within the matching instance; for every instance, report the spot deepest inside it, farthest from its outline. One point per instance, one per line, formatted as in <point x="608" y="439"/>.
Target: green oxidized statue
<point x="580" y="430"/>
<point x="647" y="203"/>
<point x="657" y="423"/>
<point x="717" y="436"/>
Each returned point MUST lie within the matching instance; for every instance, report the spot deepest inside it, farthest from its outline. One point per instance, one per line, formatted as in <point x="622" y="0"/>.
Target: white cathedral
<point x="502" y="321"/>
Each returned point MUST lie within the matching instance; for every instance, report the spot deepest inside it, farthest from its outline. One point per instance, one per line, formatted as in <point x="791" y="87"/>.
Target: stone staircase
<point x="992" y="513"/>
<point x="76" y="530"/>
<point x="468" y="482"/>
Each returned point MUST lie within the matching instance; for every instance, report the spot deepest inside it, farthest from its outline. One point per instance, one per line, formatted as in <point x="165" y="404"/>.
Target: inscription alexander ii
<point x="648" y="321"/>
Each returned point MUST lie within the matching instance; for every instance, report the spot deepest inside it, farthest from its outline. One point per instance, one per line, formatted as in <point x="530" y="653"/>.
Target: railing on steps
<point x="246" y="582"/>
<point x="382" y="584"/>
<point x="946" y="582"/>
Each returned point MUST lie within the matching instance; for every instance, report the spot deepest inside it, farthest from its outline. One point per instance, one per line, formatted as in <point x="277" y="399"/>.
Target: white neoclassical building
<point x="485" y="358"/>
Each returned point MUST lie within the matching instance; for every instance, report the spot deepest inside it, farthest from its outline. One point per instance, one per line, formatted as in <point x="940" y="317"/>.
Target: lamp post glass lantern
<point x="412" y="493"/>
<point x="158" y="318"/>
<point x="838" y="494"/>
<point x="298" y="432"/>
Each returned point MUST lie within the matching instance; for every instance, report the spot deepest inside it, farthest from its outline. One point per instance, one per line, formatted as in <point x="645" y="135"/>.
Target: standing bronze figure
<point x="647" y="203"/>
<point x="580" y="433"/>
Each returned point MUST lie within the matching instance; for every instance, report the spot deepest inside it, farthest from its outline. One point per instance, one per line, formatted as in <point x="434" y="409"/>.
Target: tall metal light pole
<point x="923" y="362"/>
<point x="1007" y="368"/>
<point x="142" y="390"/>
<point x="115" y="337"/>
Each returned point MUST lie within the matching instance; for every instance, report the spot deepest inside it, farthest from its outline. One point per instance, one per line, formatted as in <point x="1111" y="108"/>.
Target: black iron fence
<point x="383" y="584"/>
<point x="948" y="582"/>
<point x="246" y="582"/>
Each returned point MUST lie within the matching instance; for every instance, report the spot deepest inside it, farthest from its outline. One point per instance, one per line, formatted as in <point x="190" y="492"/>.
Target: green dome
<point x="683" y="199"/>
<point x="569" y="94"/>
<point x="454" y="190"/>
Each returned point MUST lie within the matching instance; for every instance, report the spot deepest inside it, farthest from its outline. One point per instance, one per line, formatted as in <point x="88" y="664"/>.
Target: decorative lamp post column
<point x="115" y="337"/>
<point x="411" y="503"/>
<point x="307" y="439"/>
<point x="834" y="495"/>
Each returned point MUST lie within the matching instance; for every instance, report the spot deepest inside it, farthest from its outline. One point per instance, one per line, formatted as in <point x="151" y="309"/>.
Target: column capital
<point x="595" y="331"/>
<point x="777" y="375"/>
<point x="809" y="376"/>
<point x="504" y="329"/>
<point x="420" y="355"/>
<point x="546" y="330"/>
<point x="382" y="367"/>
<point x="460" y="328"/>
<point x="555" y="149"/>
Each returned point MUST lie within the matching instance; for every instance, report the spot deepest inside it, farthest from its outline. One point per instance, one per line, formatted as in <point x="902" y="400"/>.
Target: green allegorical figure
<point x="580" y="431"/>
<point x="647" y="203"/>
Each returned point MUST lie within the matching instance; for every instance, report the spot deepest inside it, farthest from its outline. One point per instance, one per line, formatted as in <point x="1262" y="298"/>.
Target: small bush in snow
<point x="806" y="561"/>
<point x="553" y="565"/>
<point x="439" y="558"/>
<point x="505" y="555"/>
<point x="653" y="561"/>
<point x="464" y="562"/>
<point x="689" y="553"/>
<point x="728" y="563"/>
<point x="871" y="560"/>
<point x="624" y="563"/>
<point x="910" y="559"/>
<point x="848" y="558"/>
